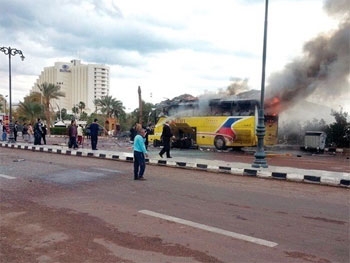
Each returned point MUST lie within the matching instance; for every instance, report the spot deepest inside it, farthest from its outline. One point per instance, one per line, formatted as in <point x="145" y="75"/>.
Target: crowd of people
<point x="138" y="136"/>
<point x="36" y="133"/>
<point x="32" y="134"/>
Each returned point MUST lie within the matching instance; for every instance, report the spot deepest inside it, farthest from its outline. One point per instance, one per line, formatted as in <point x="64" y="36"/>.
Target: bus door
<point x="185" y="136"/>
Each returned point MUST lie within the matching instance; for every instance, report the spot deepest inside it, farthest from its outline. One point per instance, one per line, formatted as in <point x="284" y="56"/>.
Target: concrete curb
<point x="279" y="173"/>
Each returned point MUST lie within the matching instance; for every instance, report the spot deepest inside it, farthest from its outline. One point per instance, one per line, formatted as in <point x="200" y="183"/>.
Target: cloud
<point x="167" y="48"/>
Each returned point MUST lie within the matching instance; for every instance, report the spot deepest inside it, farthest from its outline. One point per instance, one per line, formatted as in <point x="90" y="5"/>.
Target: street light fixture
<point x="11" y="52"/>
<point x="260" y="155"/>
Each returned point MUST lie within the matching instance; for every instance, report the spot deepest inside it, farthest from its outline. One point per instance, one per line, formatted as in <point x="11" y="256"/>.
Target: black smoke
<point x="322" y="72"/>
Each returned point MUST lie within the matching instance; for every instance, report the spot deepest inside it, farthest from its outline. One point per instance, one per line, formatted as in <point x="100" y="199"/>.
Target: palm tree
<point x="29" y="110"/>
<point x="110" y="106"/>
<point x="49" y="91"/>
<point x="104" y="104"/>
<point x="81" y="106"/>
<point x="34" y="97"/>
<point x="75" y="109"/>
<point x="118" y="108"/>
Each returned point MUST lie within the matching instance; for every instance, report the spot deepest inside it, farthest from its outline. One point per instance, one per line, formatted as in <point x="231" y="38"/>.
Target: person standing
<point x="44" y="133"/>
<point x="30" y="133"/>
<point x="94" y="134"/>
<point x="15" y="130"/>
<point x="166" y="139"/>
<point x="72" y="133"/>
<point x="80" y="135"/>
<point x="4" y="133"/>
<point x="140" y="153"/>
<point x="134" y="131"/>
<point x="38" y="132"/>
<point x="2" y="127"/>
<point x="25" y="132"/>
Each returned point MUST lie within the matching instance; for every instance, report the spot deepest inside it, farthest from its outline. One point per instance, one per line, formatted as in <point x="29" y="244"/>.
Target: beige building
<point x="79" y="82"/>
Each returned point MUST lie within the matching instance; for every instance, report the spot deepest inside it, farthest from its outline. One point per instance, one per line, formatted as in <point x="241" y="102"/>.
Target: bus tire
<point x="219" y="142"/>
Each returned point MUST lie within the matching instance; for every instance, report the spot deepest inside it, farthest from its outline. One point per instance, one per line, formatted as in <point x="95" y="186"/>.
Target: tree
<point x="118" y="109"/>
<point x="62" y="115"/>
<point x="2" y="103"/>
<point x="337" y="132"/>
<point x="83" y="116"/>
<point x="75" y="109"/>
<point x="81" y="106"/>
<point x="29" y="111"/>
<point x="49" y="91"/>
<point x="145" y="118"/>
<point x="109" y="106"/>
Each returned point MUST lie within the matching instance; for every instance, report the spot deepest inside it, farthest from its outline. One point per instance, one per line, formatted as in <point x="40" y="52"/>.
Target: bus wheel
<point x="219" y="143"/>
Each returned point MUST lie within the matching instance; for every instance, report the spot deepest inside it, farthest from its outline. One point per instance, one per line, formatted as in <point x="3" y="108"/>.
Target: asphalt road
<point x="57" y="208"/>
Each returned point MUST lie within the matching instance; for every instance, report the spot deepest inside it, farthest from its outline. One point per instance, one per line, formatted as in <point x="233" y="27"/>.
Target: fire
<point x="273" y="106"/>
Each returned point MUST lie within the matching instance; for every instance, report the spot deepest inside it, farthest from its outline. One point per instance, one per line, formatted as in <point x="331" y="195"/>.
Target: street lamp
<point x="260" y="155"/>
<point x="11" y="52"/>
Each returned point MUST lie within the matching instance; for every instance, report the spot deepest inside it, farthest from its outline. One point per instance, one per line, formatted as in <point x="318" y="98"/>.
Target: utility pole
<point x="260" y="155"/>
<point x="140" y="105"/>
<point x="11" y="52"/>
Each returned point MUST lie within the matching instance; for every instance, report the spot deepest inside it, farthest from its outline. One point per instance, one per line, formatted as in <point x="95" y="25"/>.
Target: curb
<point x="127" y="157"/>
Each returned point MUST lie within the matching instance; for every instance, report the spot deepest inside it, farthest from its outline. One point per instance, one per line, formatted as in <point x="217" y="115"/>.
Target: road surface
<point x="57" y="208"/>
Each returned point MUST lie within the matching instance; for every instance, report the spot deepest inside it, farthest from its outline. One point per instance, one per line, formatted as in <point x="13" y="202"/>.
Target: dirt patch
<point x="31" y="232"/>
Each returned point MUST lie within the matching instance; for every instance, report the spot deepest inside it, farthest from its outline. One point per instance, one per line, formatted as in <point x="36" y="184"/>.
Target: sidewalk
<point x="235" y="168"/>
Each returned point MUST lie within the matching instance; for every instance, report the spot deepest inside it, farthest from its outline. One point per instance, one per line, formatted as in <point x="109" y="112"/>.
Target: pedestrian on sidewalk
<point x="72" y="133"/>
<point x="80" y="134"/>
<point x="38" y="132"/>
<point x="15" y="130"/>
<point x="25" y="132"/>
<point x="30" y="133"/>
<point x="140" y="153"/>
<point x="94" y="128"/>
<point x="44" y="133"/>
<point x="3" y="131"/>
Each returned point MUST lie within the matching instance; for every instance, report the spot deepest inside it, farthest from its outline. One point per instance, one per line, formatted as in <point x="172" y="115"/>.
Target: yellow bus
<point x="218" y="123"/>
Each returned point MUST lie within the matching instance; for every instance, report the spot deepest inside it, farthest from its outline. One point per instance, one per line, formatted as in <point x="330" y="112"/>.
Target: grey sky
<point x="168" y="48"/>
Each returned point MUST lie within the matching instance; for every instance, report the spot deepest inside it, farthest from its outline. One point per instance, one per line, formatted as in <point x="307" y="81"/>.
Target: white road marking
<point x="108" y="170"/>
<point x="7" y="176"/>
<point x="211" y="229"/>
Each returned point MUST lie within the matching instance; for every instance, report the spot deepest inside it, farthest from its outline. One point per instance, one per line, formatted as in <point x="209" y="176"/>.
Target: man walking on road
<point x="94" y="134"/>
<point x="166" y="136"/>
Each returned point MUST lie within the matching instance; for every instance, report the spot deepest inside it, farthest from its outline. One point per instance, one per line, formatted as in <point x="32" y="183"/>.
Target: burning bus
<point x="220" y="123"/>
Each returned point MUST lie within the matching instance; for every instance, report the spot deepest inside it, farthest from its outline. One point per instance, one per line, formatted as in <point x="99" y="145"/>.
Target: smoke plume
<point x="322" y="73"/>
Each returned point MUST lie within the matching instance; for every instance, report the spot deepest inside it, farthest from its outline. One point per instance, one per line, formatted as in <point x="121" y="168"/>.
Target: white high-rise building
<point x="79" y="82"/>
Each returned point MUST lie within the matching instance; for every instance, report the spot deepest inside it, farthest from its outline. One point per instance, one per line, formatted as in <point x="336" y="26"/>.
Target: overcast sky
<point x="167" y="47"/>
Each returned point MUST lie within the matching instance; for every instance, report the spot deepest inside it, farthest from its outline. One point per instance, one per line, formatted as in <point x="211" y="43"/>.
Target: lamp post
<point x="11" y="52"/>
<point x="260" y="155"/>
